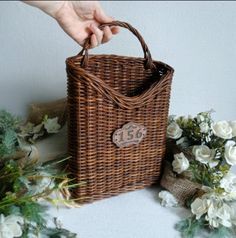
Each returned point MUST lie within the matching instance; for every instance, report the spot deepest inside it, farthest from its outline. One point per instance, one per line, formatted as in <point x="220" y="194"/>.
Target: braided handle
<point x="147" y="55"/>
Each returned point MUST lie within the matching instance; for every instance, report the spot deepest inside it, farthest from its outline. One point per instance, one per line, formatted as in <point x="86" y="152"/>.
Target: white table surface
<point x="135" y="214"/>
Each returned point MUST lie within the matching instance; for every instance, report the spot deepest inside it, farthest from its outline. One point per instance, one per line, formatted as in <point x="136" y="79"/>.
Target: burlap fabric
<point x="182" y="188"/>
<point x="57" y="108"/>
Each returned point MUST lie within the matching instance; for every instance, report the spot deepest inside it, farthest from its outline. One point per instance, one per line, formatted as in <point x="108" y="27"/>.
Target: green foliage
<point x="8" y="143"/>
<point x="9" y="173"/>
<point x="14" y="210"/>
<point x="25" y="184"/>
<point x="9" y="126"/>
<point x="34" y="212"/>
<point x="203" y="174"/>
<point x="190" y="227"/>
<point x="47" y="232"/>
<point x="23" y="181"/>
<point x="222" y="232"/>
<point x="8" y="121"/>
<point x="190" y="128"/>
<point x="58" y="233"/>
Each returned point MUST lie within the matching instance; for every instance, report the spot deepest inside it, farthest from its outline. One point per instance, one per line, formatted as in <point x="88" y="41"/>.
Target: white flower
<point x="228" y="183"/>
<point x="174" y="131"/>
<point x="213" y="163"/>
<point x="230" y="153"/>
<point x="203" y="154"/>
<point x="222" y="129"/>
<point x="216" y="210"/>
<point x="230" y="143"/>
<point x="224" y="196"/>
<point x="51" y="125"/>
<point x="233" y="126"/>
<point x="200" y="118"/>
<point x="44" y="182"/>
<point x="180" y="163"/>
<point x="233" y="215"/>
<point x="204" y="128"/>
<point x="224" y="213"/>
<point x="10" y="226"/>
<point x="218" y="213"/>
<point x="38" y="235"/>
<point x="211" y="216"/>
<point x="167" y="199"/>
<point x="199" y="207"/>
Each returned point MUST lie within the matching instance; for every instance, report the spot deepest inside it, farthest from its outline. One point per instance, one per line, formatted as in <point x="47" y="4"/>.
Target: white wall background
<point x="196" y="38"/>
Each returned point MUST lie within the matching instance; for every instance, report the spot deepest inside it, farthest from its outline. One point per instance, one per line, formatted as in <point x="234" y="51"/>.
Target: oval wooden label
<point x="130" y="134"/>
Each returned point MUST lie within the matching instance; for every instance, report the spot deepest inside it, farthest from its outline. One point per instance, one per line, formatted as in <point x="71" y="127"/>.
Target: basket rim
<point x="126" y="102"/>
<point x="71" y="59"/>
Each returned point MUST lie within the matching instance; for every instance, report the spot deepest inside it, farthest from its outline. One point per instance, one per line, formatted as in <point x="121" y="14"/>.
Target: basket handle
<point x="147" y="55"/>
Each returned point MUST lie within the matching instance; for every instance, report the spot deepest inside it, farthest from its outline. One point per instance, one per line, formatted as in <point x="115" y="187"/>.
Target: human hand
<point x="79" y="19"/>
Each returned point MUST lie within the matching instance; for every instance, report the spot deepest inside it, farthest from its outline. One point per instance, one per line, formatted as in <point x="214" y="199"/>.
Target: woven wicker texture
<point x="104" y="93"/>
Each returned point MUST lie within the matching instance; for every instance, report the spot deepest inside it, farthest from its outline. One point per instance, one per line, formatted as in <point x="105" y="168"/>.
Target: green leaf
<point x="9" y="125"/>
<point x="8" y="121"/>
<point x="9" y="140"/>
<point x="222" y="232"/>
<point x="34" y="212"/>
<point x="58" y="233"/>
<point x="190" y="227"/>
<point x="12" y="210"/>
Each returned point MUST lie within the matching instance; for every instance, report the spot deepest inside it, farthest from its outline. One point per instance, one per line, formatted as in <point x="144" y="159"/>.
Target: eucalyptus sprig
<point x="25" y="182"/>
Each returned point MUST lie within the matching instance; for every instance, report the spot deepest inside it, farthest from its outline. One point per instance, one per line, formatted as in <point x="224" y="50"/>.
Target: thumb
<point x="101" y="17"/>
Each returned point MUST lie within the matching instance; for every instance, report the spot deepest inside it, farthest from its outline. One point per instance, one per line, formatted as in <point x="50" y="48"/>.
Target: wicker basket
<point x="109" y="95"/>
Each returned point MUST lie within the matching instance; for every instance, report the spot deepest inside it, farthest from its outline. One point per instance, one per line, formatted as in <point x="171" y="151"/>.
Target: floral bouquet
<point x="200" y="154"/>
<point x="25" y="182"/>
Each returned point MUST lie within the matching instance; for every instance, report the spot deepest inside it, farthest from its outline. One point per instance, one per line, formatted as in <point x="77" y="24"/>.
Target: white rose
<point x="233" y="215"/>
<point x="203" y="154"/>
<point x="233" y="126"/>
<point x="10" y="226"/>
<point x="174" y="131"/>
<point x="44" y="181"/>
<point x="39" y="235"/>
<point x="51" y="125"/>
<point x="228" y="183"/>
<point x="204" y="128"/>
<point x="213" y="163"/>
<point x="216" y="212"/>
<point x="219" y="213"/>
<point x="199" y="207"/>
<point x="180" y="163"/>
<point x="222" y="129"/>
<point x="167" y="199"/>
<point x="211" y="216"/>
<point x="230" y="153"/>
<point x="200" y="118"/>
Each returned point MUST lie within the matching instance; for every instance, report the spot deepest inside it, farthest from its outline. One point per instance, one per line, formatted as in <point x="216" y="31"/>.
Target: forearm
<point x="49" y="7"/>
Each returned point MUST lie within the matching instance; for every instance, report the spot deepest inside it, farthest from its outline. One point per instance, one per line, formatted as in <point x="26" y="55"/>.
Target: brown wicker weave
<point x="104" y="93"/>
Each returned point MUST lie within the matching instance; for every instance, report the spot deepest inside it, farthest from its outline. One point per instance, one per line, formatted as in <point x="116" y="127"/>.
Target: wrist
<point x="49" y="7"/>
